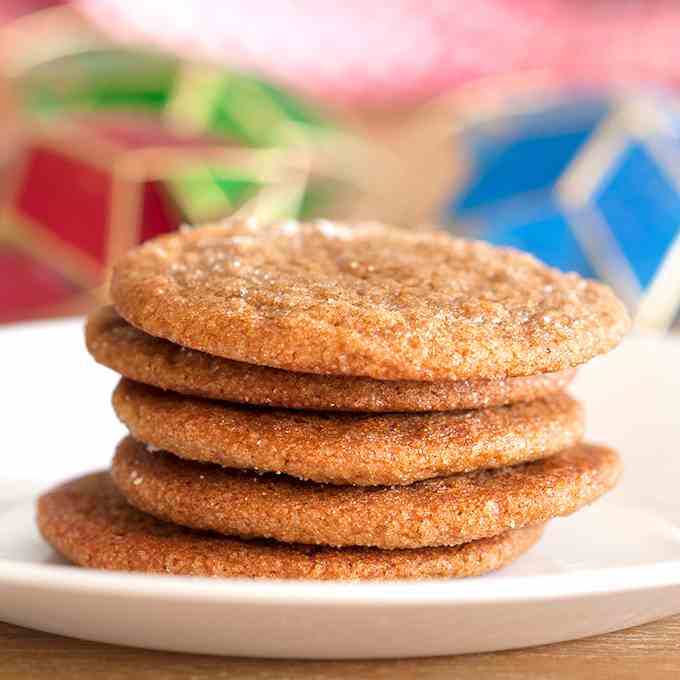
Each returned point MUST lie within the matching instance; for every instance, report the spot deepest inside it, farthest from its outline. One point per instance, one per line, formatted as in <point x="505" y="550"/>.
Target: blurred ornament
<point x="186" y="96"/>
<point x="588" y="183"/>
<point x="79" y="211"/>
<point x="406" y="50"/>
<point x="112" y="146"/>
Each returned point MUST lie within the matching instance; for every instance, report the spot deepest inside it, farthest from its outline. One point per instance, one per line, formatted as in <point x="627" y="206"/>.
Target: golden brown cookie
<point x="89" y="523"/>
<point x="113" y="342"/>
<point x="444" y="511"/>
<point x="348" y="448"/>
<point x="365" y="300"/>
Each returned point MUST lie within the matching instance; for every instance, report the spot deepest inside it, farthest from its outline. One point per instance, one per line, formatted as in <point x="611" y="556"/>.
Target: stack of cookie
<point x="336" y="401"/>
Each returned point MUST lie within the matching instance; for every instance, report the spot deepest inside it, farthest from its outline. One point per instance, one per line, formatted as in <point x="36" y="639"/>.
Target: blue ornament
<point x="587" y="183"/>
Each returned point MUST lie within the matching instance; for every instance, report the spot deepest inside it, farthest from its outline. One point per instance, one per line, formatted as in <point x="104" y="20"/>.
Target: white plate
<point x="614" y="565"/>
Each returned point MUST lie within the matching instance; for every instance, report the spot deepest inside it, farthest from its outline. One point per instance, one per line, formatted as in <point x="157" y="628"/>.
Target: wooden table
<point x="650" y="652"/>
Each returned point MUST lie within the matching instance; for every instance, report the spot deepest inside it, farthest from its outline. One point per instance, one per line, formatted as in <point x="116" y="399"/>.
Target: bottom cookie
<point x="89" y="522"/>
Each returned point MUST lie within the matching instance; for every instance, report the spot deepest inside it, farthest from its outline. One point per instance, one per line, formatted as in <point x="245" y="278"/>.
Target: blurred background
<point x="552" y="126"/>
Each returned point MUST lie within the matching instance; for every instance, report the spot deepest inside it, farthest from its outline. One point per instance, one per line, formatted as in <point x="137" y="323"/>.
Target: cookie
<point x="348" y="448"/>
<point x="445" y="511"/>
<point x="364" y="300"/>
<point x="89" y="523"/>
<point x="142" y="357"/>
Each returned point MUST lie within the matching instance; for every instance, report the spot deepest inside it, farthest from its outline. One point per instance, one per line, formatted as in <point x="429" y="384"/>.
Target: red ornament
<point x="78" y="198"/>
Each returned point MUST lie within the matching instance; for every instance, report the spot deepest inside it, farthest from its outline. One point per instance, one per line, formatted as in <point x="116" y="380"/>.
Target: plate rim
<point x="577" y="583"/>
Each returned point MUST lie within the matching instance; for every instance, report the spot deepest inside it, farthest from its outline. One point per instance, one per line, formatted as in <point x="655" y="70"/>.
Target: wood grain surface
<point x="650" y="652"/>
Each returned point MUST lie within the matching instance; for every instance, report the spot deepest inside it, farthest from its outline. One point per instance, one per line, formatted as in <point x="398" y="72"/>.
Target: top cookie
<point x="364" y="300"/>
